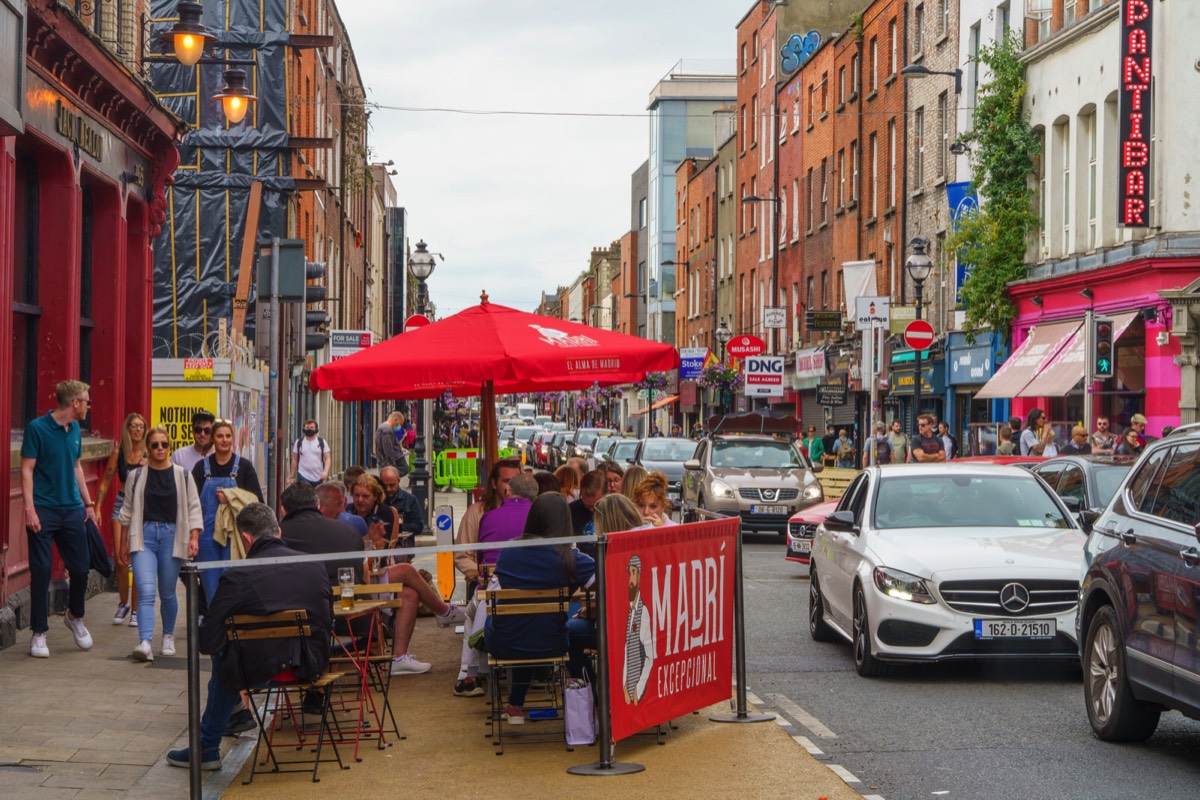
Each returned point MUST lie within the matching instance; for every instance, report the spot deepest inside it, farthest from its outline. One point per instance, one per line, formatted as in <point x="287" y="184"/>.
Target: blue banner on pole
<point x="962" y="201"/>
<point x="691" y="362"/>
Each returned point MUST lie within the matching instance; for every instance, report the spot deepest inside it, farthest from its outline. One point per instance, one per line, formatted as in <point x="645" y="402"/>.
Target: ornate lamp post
<point x="422" y="263"/>
<point x="918" y="266"/>
<point x="187" y="40"/>
<point x="722" y="335"/>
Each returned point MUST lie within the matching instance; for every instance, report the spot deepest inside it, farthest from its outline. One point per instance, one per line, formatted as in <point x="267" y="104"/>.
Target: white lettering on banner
<point x="559" y="338"/>
<point x="593" y="364"/>
<point x="686" y="674"/>
<point x="693" y="615"/>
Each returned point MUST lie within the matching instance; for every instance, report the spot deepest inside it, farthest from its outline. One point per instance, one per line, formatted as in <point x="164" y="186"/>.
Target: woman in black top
<point x="131" y="452"/>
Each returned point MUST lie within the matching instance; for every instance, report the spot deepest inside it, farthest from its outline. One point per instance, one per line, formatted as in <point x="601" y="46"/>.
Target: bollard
<point x="606" y="765"/>
<point x="191" y="579"/>
<point x="739" y="645"/>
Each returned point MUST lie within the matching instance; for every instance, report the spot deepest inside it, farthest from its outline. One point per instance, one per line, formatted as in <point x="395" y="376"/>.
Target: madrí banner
<point x="670" y="622"/>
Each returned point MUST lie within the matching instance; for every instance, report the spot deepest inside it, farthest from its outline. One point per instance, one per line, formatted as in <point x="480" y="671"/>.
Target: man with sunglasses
<point x="202" y="431"/>
<point x="57" y="506"/>
<point x="1104" y="441"/>
<point x="927" y="446"/>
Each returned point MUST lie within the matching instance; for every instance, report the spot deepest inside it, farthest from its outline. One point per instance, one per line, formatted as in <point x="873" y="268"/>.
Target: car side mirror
<point x="691" y="464"/>
<point x="841" y="522"/>
<point x="1088" y="517"/>
<point x="815" y="468"/>
<point x="1073" y="504"/>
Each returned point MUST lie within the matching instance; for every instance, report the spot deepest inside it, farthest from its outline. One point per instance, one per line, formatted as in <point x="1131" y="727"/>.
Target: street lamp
<point x="187" y="40"/>
<point x="777" y="201"/>
<point x="922" y="71"/>
<point x="421" y="263"/>
<point x="722" y="335"/>
<point x="918" y="266"/>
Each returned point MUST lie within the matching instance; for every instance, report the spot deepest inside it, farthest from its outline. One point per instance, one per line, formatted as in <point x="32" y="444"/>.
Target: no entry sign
<point x="743" y="346"/>
<point x="918" y="335"/>
<point x="414" y="322"/>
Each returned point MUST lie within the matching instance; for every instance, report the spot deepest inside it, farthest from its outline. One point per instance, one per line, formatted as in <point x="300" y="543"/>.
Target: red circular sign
<point x="415" y="321"/>
<point x="918" y="334"/>
<point x="742" y="346"/>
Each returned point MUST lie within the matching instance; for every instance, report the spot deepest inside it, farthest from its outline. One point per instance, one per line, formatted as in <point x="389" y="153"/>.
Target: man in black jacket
<point x="406" y="504"/>
<point x="306" y="529"/>
<point x="259" y="590"/>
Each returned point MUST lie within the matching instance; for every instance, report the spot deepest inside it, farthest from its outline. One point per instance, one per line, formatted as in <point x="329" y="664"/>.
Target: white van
<point x="527" y="412"/>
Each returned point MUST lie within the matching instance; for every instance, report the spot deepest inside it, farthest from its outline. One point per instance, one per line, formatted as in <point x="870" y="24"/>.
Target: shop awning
<point x="1038" y="350"/>
<point x="1064" y="372"/>
<point x="666" y="401"/>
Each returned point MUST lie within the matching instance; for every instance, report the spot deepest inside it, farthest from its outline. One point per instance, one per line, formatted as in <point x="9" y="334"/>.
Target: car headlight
<point x="721" y="489"/>
<point x="813" y="491"/>
<point x="902" y="586"/>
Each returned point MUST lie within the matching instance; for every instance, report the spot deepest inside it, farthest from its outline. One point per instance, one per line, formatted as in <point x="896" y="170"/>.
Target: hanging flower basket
<point x="719" y="376"/>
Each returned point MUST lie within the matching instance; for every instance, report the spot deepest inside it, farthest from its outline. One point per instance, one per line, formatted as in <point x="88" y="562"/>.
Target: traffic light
<point x="1103" y="354"/>
<point x="316" y="320"/>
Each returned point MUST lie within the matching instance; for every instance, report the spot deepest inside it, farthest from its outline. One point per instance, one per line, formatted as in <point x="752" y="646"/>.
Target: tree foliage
<point x="1004" y="152"/>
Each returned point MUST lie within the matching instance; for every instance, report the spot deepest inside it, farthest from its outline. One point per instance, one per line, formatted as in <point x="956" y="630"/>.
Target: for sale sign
<point x="764" y="376"/>
<point x="347" y="343"/>
<point x="691" y="362"/>
<point x="669" y="604"/>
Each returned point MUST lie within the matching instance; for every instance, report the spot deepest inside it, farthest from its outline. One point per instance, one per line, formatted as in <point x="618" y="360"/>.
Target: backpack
<point x="883" y="451"/>
<point x="845" y="451"/>
<point x="319" y="439"/>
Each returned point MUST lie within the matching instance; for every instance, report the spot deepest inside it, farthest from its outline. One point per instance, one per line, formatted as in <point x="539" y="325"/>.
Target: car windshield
<point x="523" y="434"/>
<point x="1108" y="480"/>
<point x="756" y="455"/>
<point x="668" y="450"/>
<point x="965" y="501"/>
<point x="624" y="450"/>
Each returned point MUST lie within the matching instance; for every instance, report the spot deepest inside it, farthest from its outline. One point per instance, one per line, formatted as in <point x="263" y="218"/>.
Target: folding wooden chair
<point x="527" y="602"/>
<point x="291" y="624"/>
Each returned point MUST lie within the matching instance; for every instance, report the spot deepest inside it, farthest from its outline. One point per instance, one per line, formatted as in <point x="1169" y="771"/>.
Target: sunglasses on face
<point x="159" y="445"/>
<point x="206" y="430"/>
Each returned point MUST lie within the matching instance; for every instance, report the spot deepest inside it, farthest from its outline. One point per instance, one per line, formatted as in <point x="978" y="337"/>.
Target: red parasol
<point x="516" y="351"/>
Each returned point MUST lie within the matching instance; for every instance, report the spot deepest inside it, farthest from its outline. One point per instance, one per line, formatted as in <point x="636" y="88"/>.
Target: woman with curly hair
<point x="650" y="496"/>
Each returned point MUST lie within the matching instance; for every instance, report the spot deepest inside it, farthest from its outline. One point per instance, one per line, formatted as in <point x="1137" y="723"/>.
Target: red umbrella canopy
<point x="515" y="350"/>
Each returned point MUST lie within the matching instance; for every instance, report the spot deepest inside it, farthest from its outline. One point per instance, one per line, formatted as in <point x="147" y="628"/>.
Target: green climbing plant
<point x="1004" y="152"/>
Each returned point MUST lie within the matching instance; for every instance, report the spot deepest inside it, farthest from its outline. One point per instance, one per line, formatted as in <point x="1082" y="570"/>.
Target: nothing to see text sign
<point x="669" y="604"/>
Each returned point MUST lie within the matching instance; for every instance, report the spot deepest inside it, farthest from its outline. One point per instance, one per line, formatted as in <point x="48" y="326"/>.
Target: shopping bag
<point x="579" y="707"/>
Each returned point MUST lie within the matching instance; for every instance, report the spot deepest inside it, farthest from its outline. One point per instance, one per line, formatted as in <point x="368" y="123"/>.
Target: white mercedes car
<point x="928" y="562"/>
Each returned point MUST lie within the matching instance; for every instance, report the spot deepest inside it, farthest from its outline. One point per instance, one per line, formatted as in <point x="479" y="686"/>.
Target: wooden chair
<point x="526" y="602"/>
<point x="379" y="661"/>
<point x="290" y="624"/>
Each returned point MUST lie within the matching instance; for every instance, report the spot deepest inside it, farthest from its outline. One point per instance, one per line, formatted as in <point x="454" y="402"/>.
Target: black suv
<point x="1137" y="626"/>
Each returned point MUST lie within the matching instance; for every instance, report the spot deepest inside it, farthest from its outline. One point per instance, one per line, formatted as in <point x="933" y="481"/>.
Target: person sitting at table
<point x="547" y="482"/>
<point x="501" y="524"/>
<point x="629" y="482"/>
<point x="331" y="502"/>
<point x="536" y="567"/>
<point x="368" y="503"/>
<point x="651" y="499"/>
<point x="568" y="482"/>
<point x="306" y="530"/>
<point x="259" y="591"/>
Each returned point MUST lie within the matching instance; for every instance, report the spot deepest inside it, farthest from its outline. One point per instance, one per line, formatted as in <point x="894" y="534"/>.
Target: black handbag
<point x="97" y="552"/>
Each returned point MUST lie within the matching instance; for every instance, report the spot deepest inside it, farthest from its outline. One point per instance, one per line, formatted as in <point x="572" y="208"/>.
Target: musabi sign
<point x="1133" y="191"/>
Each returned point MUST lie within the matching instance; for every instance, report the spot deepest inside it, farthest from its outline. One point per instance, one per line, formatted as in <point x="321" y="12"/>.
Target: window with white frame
<point x="796" y="113"/>
<point x="841" y="178"/>
<point x="943" y="17"/>
<point x="874" y="63"/>
<point x="918" y="148"/>
<point x="918" y="31"/>
<point x="795" y="208"/>
<point x="812" y="103"/>
<point x="809" y="293"/>
<point x="1069" y="12"/>
<point x="1091" y="133"/>
<point x="892" y="159"/>
<point x="808" y="223"/>
<point x="841" y="84"/>
<point x="855" y="76"/>
<point x="770" y="124"/>
<point x="1064" y="149"/>
<point x="894" y="47"/>
<point x="1041" y="202"/>
<point x="973" y="72"/>
<point x="824" y="190"/>
<point x="782" y="223"/>
<point x="745" y="211"/>
<point x="825" y="289"/>
<point x="854" y="167"/>
<point x="795" y="311"/>
<point x="873" y="177"/>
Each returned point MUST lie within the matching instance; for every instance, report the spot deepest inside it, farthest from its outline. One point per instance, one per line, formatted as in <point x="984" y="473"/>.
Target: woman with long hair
<point x="650" y="497"/>
<point x="536" y="567"/>
<point x="383" y="522"/>
<point x="634" y="475"/>
<point x="547" y="483"/>
<point x="219" y="470"/>
<point x="1038" y="437"/>
<point x="131" y="453"/>
<point x="163" y="515"/>
<point x="616" y="512"/>
<point x="568" y="482"/>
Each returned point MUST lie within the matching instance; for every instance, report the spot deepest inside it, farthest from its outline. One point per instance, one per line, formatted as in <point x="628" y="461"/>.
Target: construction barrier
<point x="456" y="469"/>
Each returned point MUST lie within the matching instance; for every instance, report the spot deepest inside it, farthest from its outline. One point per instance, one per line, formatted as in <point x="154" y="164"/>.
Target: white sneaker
<point x="143" y="651"/>
<point x="168" y="647"/>
<point x="455" y="615"/>
<point x="407" y="665"/>
<point x="83" y="639"/>
<point x="122" y="613"/>
<point x="37" y="646"/>
<point x="133" y="618"/>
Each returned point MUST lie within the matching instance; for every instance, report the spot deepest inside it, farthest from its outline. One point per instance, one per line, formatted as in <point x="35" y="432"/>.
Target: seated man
<point x="260" y="591"/>
<point x="412" y="518"/>
<point x="331" y="502"/>
<point x="306" y="530"/>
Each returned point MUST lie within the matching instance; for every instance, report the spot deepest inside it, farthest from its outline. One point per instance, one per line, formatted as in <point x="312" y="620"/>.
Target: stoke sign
<point x="918" y="335"/>
<point x="1133" y="186"/>
<point x="743" y="346"/>
<point x="764" y="376"/>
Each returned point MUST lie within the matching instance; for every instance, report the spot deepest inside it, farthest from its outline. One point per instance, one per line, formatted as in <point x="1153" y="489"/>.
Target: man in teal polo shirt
<point x="57" y="504"/>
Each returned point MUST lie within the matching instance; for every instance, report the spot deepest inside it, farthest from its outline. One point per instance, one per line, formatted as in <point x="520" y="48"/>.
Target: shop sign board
<point x="197" y="369"/>
<point x="742" y="346"/>
<point x="833" y="391"/>
<point x="774" y="317"/>
<point x="870" y="312"/>
<point x="764" y="376"/>
<point x="823" y="320"/>
<point x="1133" y="183"/>
<point x="691" y="362"/>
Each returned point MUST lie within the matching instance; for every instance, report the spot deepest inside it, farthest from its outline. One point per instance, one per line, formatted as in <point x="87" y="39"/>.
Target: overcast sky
<point x="516" y="203"/>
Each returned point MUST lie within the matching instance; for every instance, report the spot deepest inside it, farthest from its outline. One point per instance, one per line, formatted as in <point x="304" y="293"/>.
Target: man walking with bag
<point x="311" y="458"/>
<point x="388" y="450"/>
<point x="57" y="503"/>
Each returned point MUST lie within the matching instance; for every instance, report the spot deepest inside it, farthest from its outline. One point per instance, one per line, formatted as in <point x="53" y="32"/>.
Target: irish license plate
<point x="801" y="545"/>
<point x="768" y="509"/>
<point x="1015" y="628"/>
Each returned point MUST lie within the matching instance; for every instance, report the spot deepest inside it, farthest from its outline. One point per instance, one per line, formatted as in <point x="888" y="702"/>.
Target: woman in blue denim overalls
<point x="221" y="469"/>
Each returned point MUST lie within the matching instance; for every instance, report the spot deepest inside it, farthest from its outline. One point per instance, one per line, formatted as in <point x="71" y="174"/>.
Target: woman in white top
<point x="650" y="497"/>
<point x="163" y="518"/>
<point x="1038" y="437"/>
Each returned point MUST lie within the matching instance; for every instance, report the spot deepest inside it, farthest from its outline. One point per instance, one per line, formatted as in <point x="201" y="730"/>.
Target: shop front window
<point x="26" y="311"/>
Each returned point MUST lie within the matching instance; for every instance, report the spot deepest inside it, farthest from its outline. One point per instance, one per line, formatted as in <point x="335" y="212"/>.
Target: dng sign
<point x="1133" y="192"/>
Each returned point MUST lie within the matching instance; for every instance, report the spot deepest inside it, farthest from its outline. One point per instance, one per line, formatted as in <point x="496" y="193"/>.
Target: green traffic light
<point x="1104" y="366"/>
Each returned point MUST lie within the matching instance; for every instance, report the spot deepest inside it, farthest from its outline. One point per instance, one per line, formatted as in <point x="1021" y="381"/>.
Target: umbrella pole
<point x="487" y="429"/>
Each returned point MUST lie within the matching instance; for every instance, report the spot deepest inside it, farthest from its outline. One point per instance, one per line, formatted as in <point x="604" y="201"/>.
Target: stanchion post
<point x="606" y="765"/>
<point x="739" y="645"/>
<point x="191" y="579"/>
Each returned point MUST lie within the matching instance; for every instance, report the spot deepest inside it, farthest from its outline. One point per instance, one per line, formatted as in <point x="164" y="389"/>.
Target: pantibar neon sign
<point x="1133" y="192"/>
